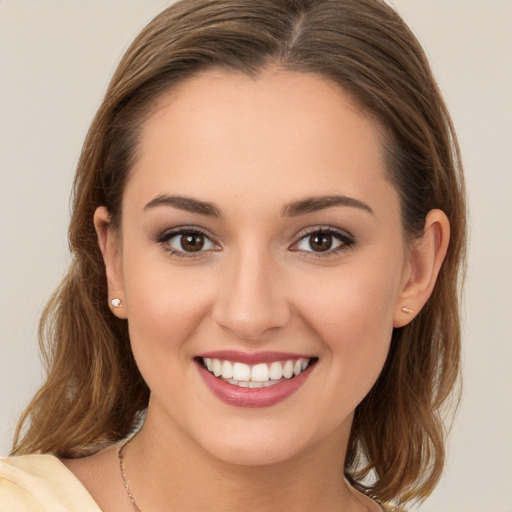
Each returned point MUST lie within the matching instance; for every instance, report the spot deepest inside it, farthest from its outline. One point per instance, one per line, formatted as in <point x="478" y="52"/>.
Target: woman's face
<point x="259" y="236"/>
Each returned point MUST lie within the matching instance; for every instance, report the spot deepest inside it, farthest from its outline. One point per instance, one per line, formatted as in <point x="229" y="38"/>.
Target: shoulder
<point x="41" y="483"/>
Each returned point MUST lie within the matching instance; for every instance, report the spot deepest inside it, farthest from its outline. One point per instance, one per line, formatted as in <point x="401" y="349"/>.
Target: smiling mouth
<point x="258" y="375"/>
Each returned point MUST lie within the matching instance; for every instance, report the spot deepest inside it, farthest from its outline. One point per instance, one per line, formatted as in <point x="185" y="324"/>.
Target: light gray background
<point x="56" y="57"/>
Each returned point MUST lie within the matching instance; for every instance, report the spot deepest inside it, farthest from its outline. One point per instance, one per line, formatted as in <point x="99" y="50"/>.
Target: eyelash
<point x="346" y="241"/>
<point x="167" y="236"/>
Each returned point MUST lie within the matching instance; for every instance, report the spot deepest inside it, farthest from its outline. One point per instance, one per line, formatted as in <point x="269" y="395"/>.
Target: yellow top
<point x="41" y="483"/>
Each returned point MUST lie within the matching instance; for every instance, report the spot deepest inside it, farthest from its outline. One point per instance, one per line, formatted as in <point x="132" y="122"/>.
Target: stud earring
<point x="407" y="310"/>
<point x="116" y="303"/>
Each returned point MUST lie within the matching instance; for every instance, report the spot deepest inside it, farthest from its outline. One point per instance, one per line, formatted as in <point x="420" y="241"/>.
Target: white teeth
<point x="227" y="370"/>
<point x="288" y="369"/>
<point x="217" y="367"/>
<point x="256" y="376"/>
<point x="276" y="370"/>
<point x="250" y="384"/>
<point x="259" y="373"/>
<point x="241" y="371"/>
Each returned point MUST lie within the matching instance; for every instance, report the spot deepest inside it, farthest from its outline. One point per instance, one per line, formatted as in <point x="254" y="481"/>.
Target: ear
<point x="110" y="246"/>
<point x="425" y="257"/>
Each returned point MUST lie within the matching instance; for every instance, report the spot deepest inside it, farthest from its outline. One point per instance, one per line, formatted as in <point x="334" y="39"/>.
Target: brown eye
<point x="189" y="242"/>
<point x="192" y="242"/>
<point x="320" y="242"/>
<point x="326" y="241"/>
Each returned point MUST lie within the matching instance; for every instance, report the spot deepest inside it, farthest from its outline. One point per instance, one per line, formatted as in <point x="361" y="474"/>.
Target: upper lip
<point x="252" y="358"/>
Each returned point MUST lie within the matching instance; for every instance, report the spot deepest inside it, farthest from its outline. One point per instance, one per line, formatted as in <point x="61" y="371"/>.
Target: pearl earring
<point x="116" y="303"/>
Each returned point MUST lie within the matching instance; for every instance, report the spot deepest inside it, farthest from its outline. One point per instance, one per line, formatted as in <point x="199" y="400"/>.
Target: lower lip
<point x="253" y="397"/>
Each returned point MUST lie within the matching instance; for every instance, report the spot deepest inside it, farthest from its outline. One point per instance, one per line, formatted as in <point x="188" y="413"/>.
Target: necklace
<point x="120" y="456"/>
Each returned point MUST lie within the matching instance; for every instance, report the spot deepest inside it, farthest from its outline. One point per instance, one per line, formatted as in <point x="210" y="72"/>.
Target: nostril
<point x="251" y="327"/>
<point x="250" y="303"/>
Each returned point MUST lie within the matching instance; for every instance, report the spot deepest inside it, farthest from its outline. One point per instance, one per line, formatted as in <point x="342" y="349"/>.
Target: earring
<point x="116" y="303"/>
<point x="407" y="310"/>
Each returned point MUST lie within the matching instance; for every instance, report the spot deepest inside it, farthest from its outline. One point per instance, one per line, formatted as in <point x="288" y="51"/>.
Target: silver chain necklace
<point x="120" y="456"/>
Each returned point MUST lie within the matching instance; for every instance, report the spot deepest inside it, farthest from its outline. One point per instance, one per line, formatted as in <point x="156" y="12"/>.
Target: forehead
<point x="287" y="132"/>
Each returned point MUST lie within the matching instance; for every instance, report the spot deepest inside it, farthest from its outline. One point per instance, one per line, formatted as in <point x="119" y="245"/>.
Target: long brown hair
<point x="94" y="393"/>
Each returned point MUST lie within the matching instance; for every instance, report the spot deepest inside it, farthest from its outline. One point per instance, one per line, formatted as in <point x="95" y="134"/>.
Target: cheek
<point x="351" y="312"/>
<point x="356" y="298"/>
<point x="165" y="308"/>
<point x="165" y="304"/>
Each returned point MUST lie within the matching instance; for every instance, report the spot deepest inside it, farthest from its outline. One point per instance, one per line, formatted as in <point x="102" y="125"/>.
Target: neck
<point x="164" y="468"/>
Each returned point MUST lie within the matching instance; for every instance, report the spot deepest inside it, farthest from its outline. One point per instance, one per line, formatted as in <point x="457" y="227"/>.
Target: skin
<point x="251" y="147"/>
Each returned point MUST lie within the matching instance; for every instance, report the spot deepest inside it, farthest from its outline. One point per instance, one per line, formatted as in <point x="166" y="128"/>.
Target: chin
<point x="248" y="451"/>
<point x="265" y="442"/>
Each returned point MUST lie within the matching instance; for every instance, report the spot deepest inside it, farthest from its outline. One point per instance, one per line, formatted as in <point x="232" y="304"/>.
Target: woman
<point x="268" y="231"/>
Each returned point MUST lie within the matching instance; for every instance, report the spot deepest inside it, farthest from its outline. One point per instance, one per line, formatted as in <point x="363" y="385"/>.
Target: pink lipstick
<point x="254" y="379"/>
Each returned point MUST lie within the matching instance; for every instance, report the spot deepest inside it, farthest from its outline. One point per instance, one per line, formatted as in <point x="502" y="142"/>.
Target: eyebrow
<point x="317" y="203"/>
<point x="185" y="203"/>
<point x="293" y="209"/>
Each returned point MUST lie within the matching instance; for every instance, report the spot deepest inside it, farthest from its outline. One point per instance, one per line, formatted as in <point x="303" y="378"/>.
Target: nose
<point x="251" y="298"/>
